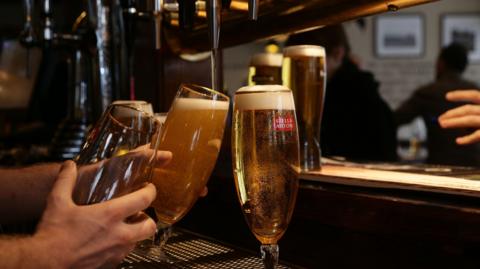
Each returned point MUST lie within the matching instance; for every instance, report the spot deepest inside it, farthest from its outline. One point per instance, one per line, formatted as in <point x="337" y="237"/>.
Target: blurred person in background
<point x="357" y="123"/>
<point x="429" y="103"/>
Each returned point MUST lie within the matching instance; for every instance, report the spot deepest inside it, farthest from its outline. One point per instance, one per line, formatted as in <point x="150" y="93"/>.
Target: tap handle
<point x="47" y="21"/>
<point x="186" y="9"/>
<point x="253" y="9"/>
<point x="157" y="18"/>
<point x="214" y="18"/>
<point x="27" y="36"/>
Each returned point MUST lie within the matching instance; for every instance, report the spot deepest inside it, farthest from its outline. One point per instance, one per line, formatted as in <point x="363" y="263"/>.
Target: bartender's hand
<point x="90" y="236"/>
<point x="466" y="116"/>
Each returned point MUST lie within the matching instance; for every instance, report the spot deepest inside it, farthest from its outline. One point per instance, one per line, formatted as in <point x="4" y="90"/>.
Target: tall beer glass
<point x="193" y="132"/>
<point x="265" y="69"/>
<point x="304" y="72"/>
<point x="265" y="161"/>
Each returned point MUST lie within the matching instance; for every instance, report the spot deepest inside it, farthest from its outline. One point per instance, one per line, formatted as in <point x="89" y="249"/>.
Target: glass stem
<point x="269" y="255"/>
<point x="161" y="236"/>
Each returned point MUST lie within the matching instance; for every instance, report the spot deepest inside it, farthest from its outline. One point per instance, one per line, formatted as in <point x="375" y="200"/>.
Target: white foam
<point x="127" y="102"/>
<point x="267" y="59"/>
<point x="304" y="50"/>
<point x="200" y="104"/>
<point x="127" y="110"/>
<point x="137" y="104"/>
<point x="264" y="97"/>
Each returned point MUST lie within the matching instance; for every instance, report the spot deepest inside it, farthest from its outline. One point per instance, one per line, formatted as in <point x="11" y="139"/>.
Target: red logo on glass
<point x="284" y="123"/>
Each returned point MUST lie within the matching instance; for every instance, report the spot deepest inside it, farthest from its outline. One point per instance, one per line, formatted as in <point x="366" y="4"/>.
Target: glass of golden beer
<point x="265" y="161"/>
<point x="304" y="72"/>
<point x="265" y="69"/>
<point x="117" y="156"/>
<point x="193" y="132"/>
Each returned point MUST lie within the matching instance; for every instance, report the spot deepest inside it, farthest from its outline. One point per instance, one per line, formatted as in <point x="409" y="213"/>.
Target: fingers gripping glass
<point x="118" y="155"/>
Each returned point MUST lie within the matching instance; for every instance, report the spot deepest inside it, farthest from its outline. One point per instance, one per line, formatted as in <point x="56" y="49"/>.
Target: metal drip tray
<point x="189" y="250"/>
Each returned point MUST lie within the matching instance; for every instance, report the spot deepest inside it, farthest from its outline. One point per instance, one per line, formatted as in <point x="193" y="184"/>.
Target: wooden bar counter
<point x="364" y="217"/>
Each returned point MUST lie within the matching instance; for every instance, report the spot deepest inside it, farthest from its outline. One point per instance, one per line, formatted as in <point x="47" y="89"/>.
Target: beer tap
<point x="154" y="12"/>
<point x="157" y="17"/>
<point x="47" y="31"/>
<point x="253" y="9"/>
<point x="27" y="36"/>
<point x="214" y="18"/>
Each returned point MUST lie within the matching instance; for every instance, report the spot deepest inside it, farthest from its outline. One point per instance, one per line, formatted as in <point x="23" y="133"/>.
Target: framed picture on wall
<point x="463" y="29"/>
<point x="399" y="36"/>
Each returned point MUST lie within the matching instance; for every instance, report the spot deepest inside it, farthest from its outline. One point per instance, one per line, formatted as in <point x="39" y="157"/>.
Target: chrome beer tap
<point x="253" y="9"/>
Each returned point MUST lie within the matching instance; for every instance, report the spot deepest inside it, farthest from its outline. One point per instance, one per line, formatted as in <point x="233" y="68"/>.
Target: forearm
<point x="24" y="191"/>
<point x="26" y="252"/>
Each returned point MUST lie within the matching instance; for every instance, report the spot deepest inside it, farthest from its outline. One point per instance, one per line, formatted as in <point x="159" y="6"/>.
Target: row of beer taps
<point x="99" y="14"/>
<point x="100" y="46"/>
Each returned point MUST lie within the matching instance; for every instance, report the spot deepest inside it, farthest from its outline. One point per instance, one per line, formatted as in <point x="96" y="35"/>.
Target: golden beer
<point x="265" y="68"/>
<point x="265" y="158"/>
<point x="193" y="132"/>
<point x="304" y="72"/>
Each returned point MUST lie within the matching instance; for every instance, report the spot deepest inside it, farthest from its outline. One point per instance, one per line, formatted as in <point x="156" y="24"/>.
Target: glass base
<point x="269" y="255"/>
<point x="154" y="247"/>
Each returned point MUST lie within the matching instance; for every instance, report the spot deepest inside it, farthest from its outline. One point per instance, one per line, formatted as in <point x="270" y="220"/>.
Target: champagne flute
<point x="193" y="132"/>
<point x="266" y="157"/>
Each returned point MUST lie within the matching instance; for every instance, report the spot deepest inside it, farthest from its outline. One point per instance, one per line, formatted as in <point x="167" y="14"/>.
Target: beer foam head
<point x="127" y="102"/>
<point x="124" y="110"/>
<point x="264" y="97"/>
<point x="200" y="104"/>
<point x="304" y="50"/>
<point x="267" y="59"/>
<point x="138" y="104"/>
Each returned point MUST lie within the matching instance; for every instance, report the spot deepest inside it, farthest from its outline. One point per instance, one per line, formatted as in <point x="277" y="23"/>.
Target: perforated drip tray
<point x="188" y="250"/>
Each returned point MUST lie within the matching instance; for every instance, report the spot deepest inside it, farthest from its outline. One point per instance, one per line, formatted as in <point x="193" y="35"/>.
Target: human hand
<point x="91" y="236"/>
<point x="466" y="116"/>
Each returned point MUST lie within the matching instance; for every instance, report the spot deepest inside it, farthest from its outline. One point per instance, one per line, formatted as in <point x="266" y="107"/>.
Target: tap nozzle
<point x="27" y="36"/>
<point x="253" y="9"/>
<point x="47" y="21"/>
<point x="214" y="18"/>
<point x="157" y="18"/>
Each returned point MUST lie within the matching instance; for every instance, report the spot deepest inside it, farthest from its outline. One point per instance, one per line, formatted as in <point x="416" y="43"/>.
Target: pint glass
<point x="265" y="68"/>
<point x="265" y="162"/>
<point x="117" y="156"/>
<point x="193" y="132"/>
<point x="304" y="72"/>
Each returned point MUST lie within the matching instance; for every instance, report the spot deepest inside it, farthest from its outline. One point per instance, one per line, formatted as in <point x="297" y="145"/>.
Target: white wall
<point x="400" y="77"/>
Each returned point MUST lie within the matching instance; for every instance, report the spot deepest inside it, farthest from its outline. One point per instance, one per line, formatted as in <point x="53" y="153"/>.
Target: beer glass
<point x="265" y="68"/>
<point x="265" y="161"/>
<point x="193" y="132"/>
<point x="117" y="156"/>
<point x="304" y="72"/>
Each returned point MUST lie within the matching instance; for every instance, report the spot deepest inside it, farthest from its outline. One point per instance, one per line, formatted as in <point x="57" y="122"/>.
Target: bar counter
<point x="340" y="224"/>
